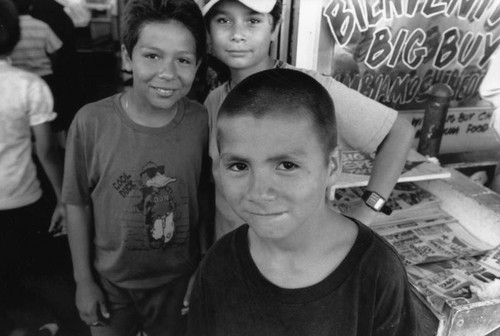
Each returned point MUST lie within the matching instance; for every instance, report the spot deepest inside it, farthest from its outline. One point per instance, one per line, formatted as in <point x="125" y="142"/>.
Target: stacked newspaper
<point x="407" y="201"/>
<point x="445" y="263"/>
<point x="357" y="168"/>
<point x="456" y="282"/>
<point x="431" y="240"/>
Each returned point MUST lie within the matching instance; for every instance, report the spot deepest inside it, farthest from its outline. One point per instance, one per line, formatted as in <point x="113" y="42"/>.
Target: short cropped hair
<point x="276" y="13"/>
<point x="282" y="93"/>
<point x="138" y="13"/>
<point x="10" y="31"/>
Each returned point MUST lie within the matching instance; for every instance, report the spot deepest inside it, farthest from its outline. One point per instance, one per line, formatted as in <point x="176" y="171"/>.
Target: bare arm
<point x="80" y="238"/>
<point x="89" y="296"/>
<point x="389" y="162"/>
<point x="48" y="152"/>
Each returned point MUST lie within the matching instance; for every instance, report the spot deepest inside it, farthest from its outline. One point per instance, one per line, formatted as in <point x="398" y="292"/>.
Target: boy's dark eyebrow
<point x="287" y="156"/>
<point x="231" y="157"/>
<point x="159" y="50"/>
<point x="279" y="157"/>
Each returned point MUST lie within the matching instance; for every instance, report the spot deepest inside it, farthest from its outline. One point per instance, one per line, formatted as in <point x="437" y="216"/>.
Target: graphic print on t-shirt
<point x="158" y="204"/>
<point x="155" y="214"/>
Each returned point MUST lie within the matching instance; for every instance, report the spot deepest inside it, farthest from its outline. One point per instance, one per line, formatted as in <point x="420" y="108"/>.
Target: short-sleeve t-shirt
<point x="368" y="294"/>
<point x="142" y="183"/>
<point x="38" y="40"/>
<point x="25" y="101"/>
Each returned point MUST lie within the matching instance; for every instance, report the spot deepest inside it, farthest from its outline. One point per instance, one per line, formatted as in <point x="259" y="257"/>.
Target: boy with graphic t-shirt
<point x="296" y="267"/>
<point x="241" y="33"/>
<point x="134" y="165"/>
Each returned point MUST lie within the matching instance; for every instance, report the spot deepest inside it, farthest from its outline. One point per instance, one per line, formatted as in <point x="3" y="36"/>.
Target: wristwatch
<point x="376" y="202"/>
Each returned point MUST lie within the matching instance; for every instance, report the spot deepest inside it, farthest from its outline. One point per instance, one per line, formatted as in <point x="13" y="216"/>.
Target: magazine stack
<point x="452" y="269"/>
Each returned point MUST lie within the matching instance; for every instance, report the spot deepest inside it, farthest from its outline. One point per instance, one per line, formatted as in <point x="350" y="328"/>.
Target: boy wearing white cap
<point x="260" y="6"/>
<point x="241" y="33"/>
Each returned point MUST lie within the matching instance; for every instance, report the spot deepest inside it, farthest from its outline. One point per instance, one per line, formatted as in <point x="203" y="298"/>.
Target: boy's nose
<point x="238" y="33"/>
<point x="260" y="188"/>
<point x="167" y="71"/>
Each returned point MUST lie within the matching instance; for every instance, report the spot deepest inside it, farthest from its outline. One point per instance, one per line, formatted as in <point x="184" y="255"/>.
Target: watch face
<point x="373" y="200"/>
<point x="379" y="204"/>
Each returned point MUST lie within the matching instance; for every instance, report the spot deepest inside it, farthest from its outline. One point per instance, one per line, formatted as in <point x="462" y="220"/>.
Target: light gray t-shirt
<point x="142" y="183"/>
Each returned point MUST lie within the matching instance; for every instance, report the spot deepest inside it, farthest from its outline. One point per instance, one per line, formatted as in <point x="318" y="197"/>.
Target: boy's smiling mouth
<point x="163" y="91"/>
<point x="266" y="214"/>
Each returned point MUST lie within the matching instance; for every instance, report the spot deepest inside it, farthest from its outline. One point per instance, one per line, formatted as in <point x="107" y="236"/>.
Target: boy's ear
<point x="334" y="164"/>
<point x="126" y="59"/>
<point x="334" y="170"/>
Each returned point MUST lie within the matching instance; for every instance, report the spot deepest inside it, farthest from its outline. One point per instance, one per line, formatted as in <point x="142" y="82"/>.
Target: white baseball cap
<point x="260" y="6"/>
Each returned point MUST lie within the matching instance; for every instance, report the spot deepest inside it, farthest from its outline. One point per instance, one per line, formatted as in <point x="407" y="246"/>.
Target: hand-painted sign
<point x="466" y="129"/>
<point x="394" y="50"/>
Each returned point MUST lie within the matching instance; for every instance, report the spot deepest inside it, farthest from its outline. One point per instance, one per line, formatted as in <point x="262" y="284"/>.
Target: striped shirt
<point x="37" y="42"/>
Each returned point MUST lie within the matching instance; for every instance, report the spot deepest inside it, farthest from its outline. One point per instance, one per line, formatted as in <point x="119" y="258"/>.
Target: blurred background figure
<point x="28" y="220"/>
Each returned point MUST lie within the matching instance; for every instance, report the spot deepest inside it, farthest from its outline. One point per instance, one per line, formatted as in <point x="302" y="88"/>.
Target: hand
<point x="91" y="303"/>
<point x="58" y="221"/>
<point x="362" y="213"/>
<point x="187" y="297"/>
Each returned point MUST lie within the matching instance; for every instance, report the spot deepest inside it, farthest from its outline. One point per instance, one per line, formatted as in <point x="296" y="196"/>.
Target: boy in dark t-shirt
<point x="297" y="267"/>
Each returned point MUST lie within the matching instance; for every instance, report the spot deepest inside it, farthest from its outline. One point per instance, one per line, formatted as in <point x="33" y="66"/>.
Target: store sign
<point x="466" y="129"/>
<point x="394" y="50"/>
